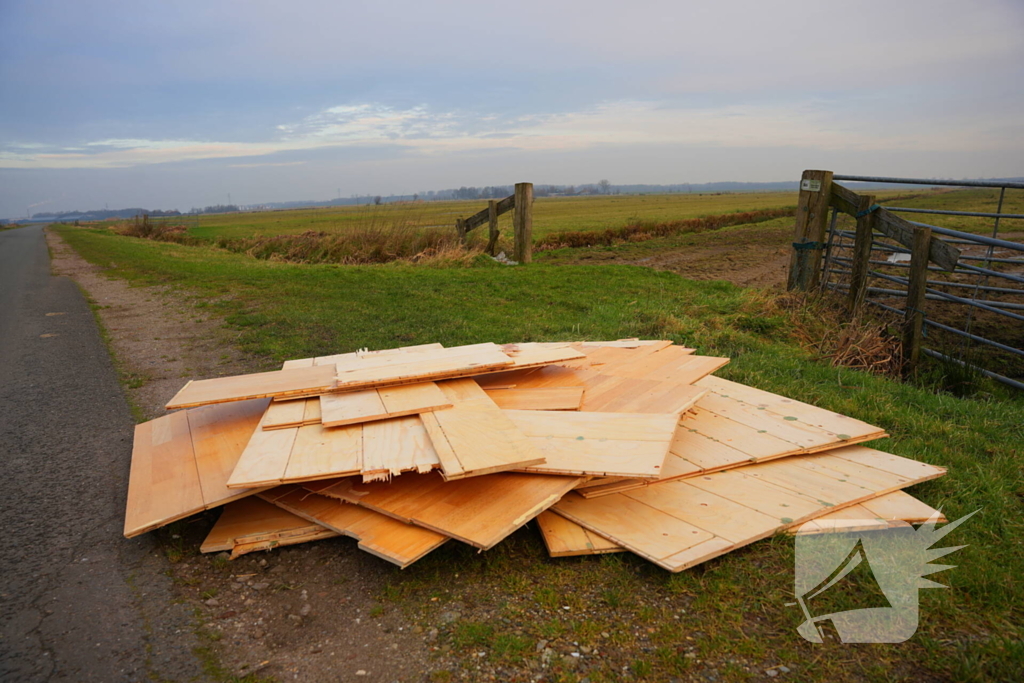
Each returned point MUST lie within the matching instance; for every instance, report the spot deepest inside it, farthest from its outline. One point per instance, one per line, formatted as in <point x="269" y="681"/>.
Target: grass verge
<point x="725" y="619"/>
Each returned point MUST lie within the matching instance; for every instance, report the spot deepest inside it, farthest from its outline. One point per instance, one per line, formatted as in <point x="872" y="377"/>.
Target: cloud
<point x="423" y="130"/>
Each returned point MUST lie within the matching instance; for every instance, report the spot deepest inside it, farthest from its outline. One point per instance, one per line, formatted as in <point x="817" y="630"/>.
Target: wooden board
<point x="389" y="369"/>
<point x="475" y="437"/>
<point x="554" y="398"/>
<point x="163" y="484"/>
<point x="292" y="413"/>
<point x="380" y="404"/>
<point x="597" y="444"/>
<point x="253" y="524"/>
<point x="391" y="447"/>
<point x="278" y="383"/>
<point x="378" y="534"/>
<point x="613" y="394"/>
<point x="480" y="511"/>
<point x="682" y="523"/>
<point x="181" y="463"/>
<point x="381" y="449"/>
<point x="565" y="538"/>
<point x="220" y="433"/>
<point x="736" y="425"/>
<point x="334" y="358"/>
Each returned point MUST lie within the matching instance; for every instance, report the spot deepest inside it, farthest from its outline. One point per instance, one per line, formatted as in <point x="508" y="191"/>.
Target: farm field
<point x="550" y="214"/>
<point x="728" y="615"/>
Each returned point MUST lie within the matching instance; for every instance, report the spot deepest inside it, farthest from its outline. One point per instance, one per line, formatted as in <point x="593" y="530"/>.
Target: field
<point x="726" y="619"/>
<point x="551" y="214"/>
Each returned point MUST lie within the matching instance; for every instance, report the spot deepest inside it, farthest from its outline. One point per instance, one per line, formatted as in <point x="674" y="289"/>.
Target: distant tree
<point x="604" y="186"/>
<point x="416" y="197"/>
<point x="377" y="200"/>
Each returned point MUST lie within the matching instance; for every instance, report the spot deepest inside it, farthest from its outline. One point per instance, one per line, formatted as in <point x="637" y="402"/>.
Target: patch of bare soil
<point x="296" y="614"/>
<point x="756" y="256"/>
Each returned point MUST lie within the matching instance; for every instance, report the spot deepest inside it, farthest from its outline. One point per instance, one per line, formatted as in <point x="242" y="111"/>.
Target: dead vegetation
<point x="640" y="231"/>
<point x="821" y="324"/>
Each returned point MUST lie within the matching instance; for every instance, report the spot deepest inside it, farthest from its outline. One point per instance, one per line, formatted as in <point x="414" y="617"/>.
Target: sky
<point x="184" y="104"/>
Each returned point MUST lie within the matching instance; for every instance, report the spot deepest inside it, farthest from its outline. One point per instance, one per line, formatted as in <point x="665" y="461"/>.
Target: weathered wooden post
<point x="866" y="219"/>
<point x="460" y="229"/>
<point x="916" y="289"/>
<point x="522" y="221"/>
<point x="492" y="220"/>
<point x="809" y="236"/>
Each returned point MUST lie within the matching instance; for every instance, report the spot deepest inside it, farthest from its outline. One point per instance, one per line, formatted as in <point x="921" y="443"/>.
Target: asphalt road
<point x="78" y="602"/>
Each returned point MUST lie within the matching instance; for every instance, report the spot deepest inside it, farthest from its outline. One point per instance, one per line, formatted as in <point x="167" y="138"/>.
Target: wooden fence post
<point x="809" y="236"/>
<point x="861" y="253"/>
<point x="492" y="219"/>
<point x="522" y="221"/>
<point x="916" y="290"/>
<point x="460" y="229"/>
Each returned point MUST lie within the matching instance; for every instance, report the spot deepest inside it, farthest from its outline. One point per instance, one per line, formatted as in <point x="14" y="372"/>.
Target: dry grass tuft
<point x="821" y="324"/>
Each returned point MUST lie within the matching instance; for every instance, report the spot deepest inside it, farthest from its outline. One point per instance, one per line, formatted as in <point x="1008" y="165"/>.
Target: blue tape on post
<point x="807" y="246"/>
<point x="865" y="212"/>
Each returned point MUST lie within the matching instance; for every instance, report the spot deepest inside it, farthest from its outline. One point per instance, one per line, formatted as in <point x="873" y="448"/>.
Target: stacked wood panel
<point x="630" y="445"/>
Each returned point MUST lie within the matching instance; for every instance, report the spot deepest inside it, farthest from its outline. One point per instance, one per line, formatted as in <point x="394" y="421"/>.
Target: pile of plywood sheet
<point x="617" y="446"/>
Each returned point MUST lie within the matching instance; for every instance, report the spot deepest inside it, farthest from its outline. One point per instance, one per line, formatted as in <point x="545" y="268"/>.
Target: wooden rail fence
<point x="521" y="203"/>
<point x="819" y="193"/>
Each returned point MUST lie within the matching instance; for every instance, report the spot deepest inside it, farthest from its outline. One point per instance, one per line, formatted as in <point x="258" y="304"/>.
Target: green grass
<point x="732" y="608"/>
<point x="980" y="200"/>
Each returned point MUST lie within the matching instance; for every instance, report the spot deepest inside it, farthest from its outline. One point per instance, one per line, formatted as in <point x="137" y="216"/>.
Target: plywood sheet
<point x="181" y="463"/>
<point x="555" y="398"/>
<point x="389" y="369"/>
<point x="253" y="524"/>
<point x="380" y="404"/>
<point x="220" y="433"/>
<point x="614" y="394"/>
<point x="597" y="444"/>
<point x="475" y="437"/>
<point x="734" y="425"/>
<point x="332" y="359"/>
<point x="480" y="511"/>
<point x="681" y="523"/>
<point x="163" y="484"/>
<point x="565" y="538"/>
<point x="391" y="447"/>
<point x="278" y="383"/>
<point x="380" y="535"/>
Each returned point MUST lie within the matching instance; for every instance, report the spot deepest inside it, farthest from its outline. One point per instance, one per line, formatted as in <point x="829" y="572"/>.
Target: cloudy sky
<point x="179" y="104"/>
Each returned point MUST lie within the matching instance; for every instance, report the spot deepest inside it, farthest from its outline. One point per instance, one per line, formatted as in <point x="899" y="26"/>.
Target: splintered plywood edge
<point x="387" y="538"/>
<point x="597" y="444"/>
<point x="682" y="523"/>
<point x="163" y="485"/>
<point x="475" y="437"/>
<point x="565" y="538"/>
<point x="278" y="383"/>
<point x="254" y="524"/>
<point x="398" y="445"/>
<point x="480" y="511"/>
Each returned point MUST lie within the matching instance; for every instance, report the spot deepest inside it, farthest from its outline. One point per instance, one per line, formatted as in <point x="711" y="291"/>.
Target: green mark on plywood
<point x="790" y="418"/>
<point x="844" y="437"/>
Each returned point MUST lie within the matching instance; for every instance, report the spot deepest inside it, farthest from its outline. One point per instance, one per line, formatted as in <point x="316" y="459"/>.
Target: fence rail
<point x="521" y="202"/>
<point x="829" y="256"/>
